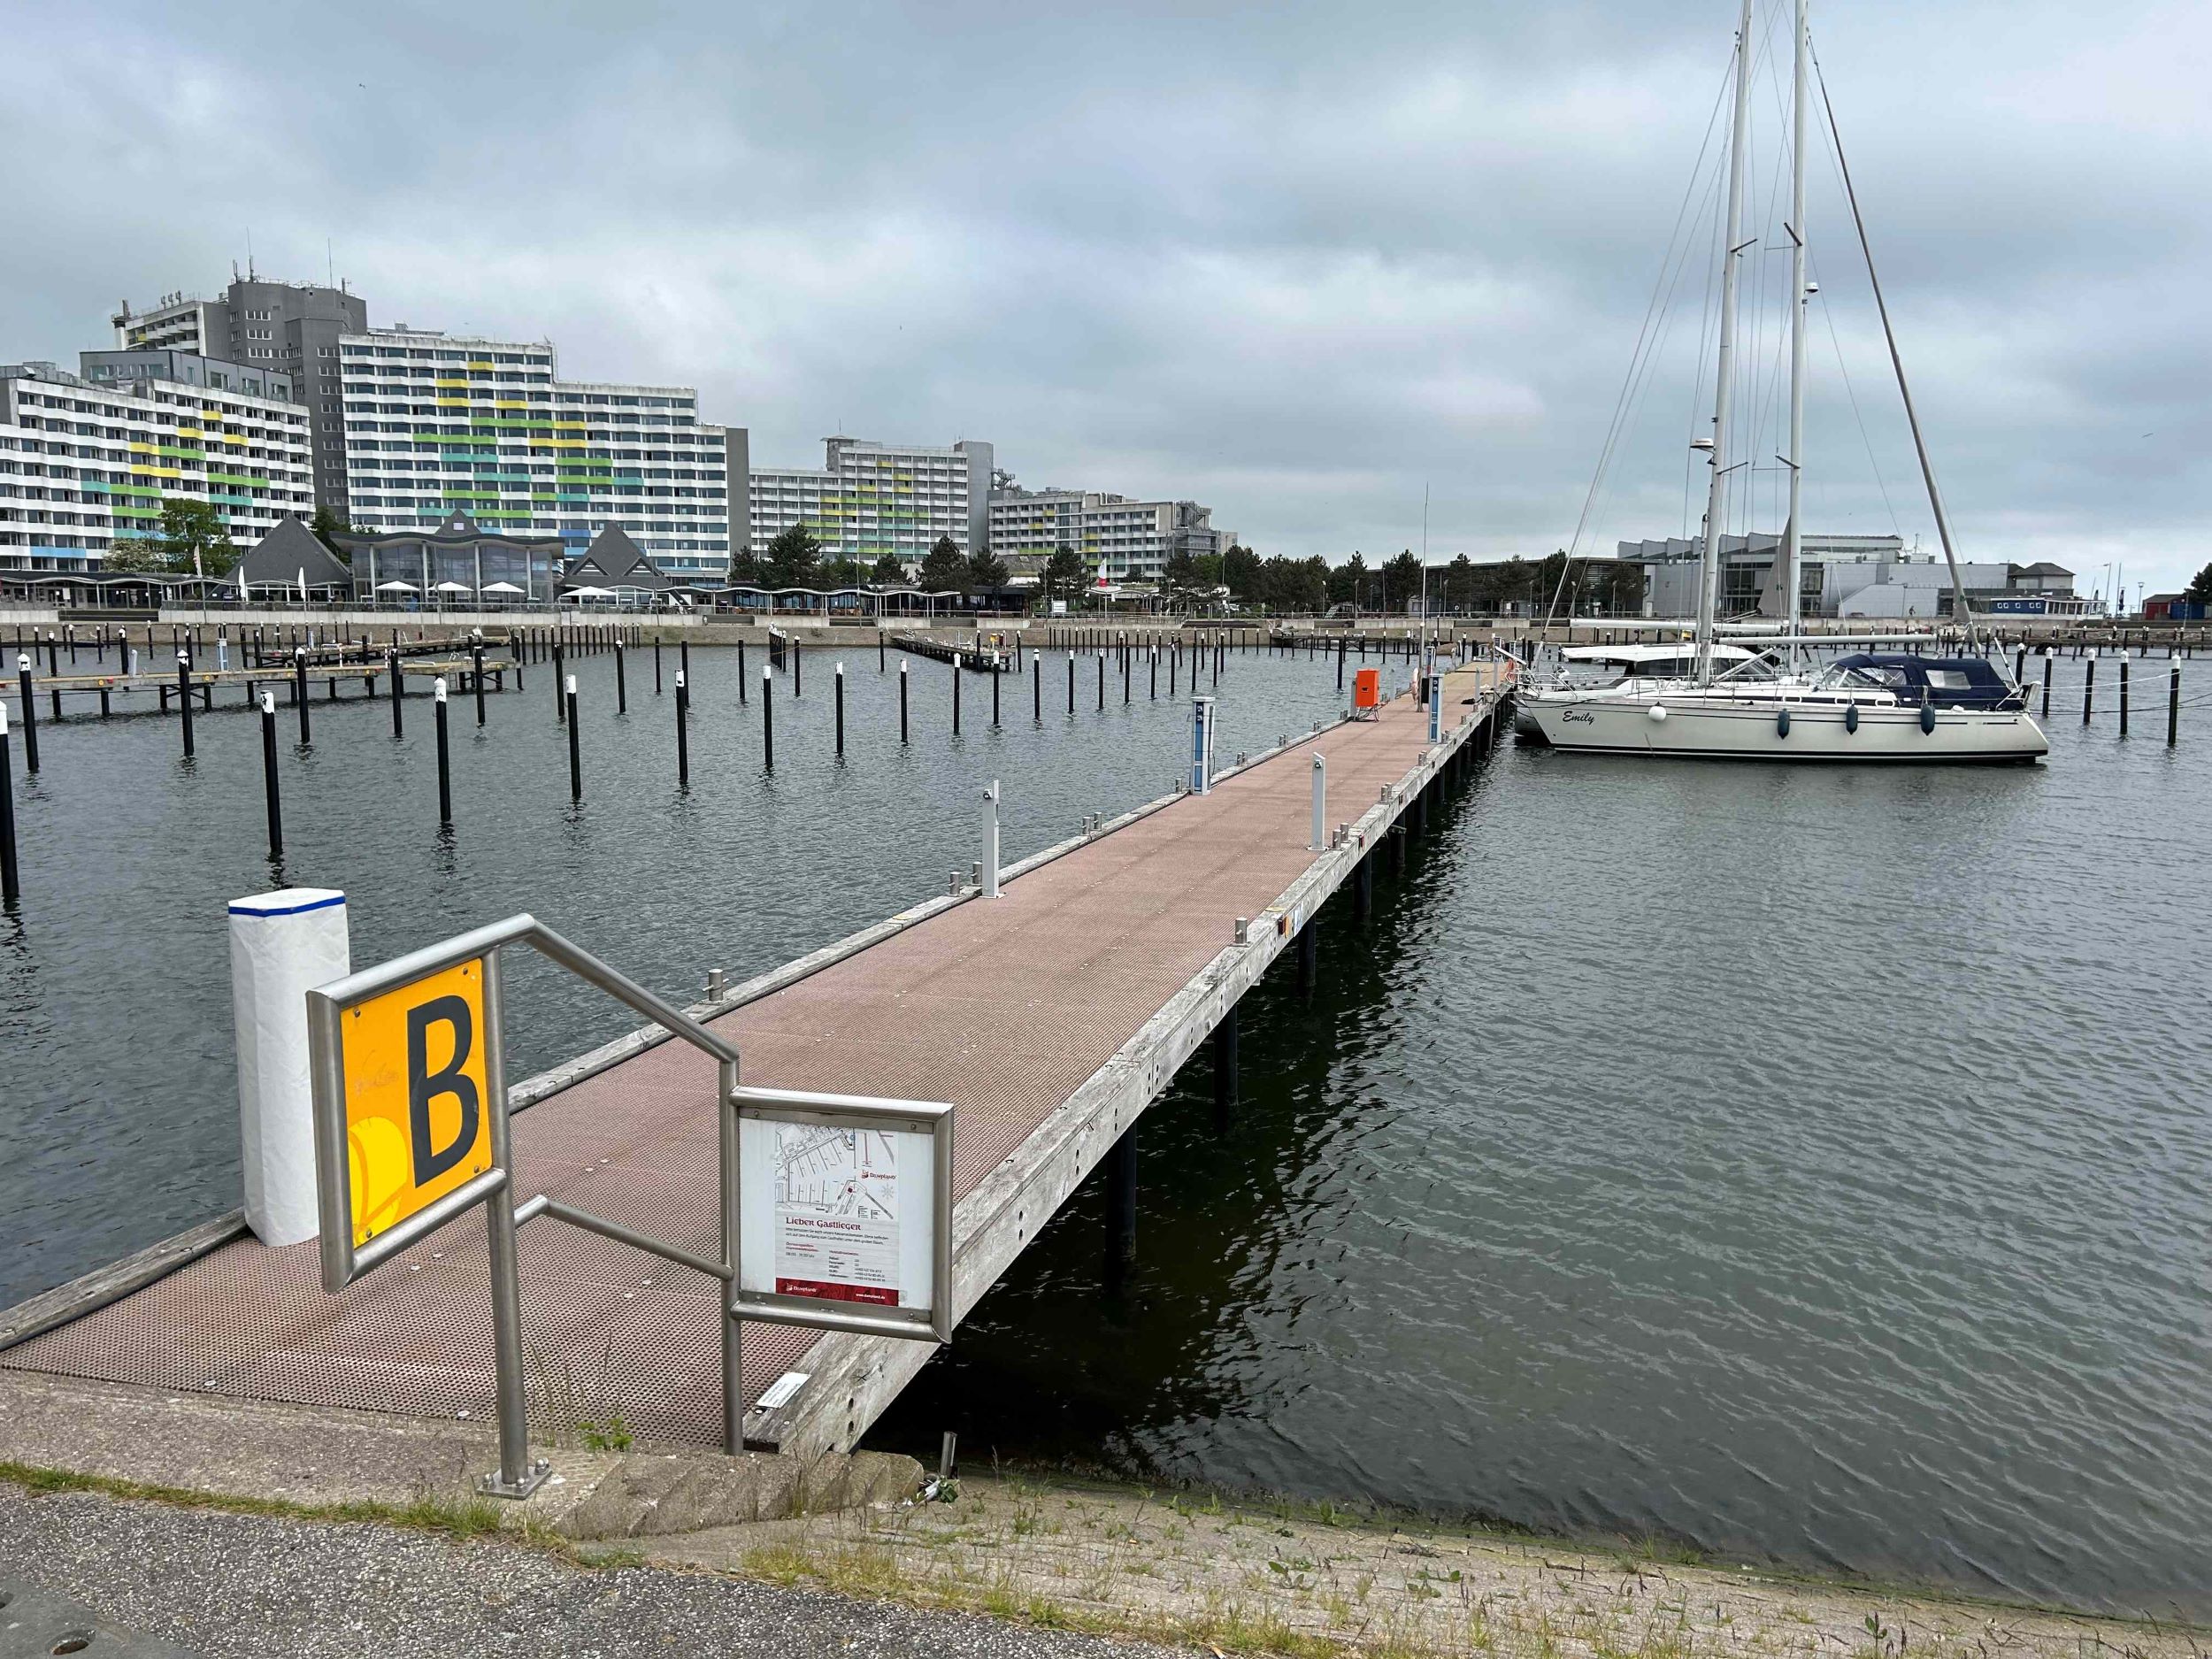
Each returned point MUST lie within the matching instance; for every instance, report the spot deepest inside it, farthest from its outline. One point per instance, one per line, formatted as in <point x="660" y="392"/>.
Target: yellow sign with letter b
<point x="417" y="1123"/>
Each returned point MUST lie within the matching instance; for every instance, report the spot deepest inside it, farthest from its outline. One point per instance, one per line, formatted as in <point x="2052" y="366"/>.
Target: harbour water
<point x="1797" y="1165"/>
<point x="1793" y="1165"/>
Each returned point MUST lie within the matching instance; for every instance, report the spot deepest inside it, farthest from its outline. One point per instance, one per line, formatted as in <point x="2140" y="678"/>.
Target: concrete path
<point x="238" y="1587"/>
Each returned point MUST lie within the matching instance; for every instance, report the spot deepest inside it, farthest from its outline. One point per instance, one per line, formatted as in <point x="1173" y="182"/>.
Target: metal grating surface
<point x="1090" y="946"/>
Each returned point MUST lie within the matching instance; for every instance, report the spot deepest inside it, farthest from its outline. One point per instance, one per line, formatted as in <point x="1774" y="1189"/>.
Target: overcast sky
<point x="1294" y="261"/>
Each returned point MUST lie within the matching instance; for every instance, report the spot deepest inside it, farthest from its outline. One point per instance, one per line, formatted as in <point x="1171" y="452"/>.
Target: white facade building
<point x="1117" y="539"/>
<point x="871" y="499"/>
<point x="82" y="465"/>
<point x="436" y="422"/>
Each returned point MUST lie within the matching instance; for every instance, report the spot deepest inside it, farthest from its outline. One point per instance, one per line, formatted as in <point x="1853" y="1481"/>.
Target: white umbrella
<point x="453" y="588"/>
<point x="501" y="587"/>
<point x="395" y="587"/>
<point x="588" y="592"/>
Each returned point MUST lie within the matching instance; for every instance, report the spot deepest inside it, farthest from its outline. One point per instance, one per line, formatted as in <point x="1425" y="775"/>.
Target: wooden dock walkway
<point x="282" y="678"/>
<point x="982" y="659"/>
<point x="1051" y="1018"/>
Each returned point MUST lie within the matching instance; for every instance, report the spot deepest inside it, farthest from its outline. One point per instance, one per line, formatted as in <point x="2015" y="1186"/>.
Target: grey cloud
<point x="1296" y="260"/>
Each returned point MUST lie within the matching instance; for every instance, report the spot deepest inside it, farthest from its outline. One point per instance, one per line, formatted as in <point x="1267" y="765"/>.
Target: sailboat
<point x="1867" y="706"/>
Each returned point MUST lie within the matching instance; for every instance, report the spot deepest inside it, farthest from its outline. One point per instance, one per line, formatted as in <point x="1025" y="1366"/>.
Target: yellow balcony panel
<point x="486" y="364"/>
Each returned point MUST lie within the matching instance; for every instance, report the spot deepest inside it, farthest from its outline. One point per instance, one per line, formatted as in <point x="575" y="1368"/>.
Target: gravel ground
<point x="232" y="1585"/>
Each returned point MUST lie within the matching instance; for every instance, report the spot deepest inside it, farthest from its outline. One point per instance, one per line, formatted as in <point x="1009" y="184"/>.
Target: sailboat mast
<point x="1709" y="570"/>
<point x="1792" y="542"/>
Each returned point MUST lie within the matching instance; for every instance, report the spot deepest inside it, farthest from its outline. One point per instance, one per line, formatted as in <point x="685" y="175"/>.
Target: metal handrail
<point x="342" y="1263"/>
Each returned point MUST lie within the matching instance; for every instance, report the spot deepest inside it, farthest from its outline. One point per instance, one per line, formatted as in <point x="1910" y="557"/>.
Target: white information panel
<point x="844" y="1213"/>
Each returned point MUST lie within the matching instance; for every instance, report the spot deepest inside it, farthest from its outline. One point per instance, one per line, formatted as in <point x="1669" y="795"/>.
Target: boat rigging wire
<point x="1963" y="612"/>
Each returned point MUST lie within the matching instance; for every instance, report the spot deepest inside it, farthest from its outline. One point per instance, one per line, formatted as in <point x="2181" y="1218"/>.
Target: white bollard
<point x="1320" y="841"/>
<point x="990" y="840"/>
<point x="282" y="945"/>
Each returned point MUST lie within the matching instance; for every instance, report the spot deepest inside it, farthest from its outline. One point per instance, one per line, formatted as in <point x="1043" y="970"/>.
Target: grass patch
<point x="463" y="1517"/>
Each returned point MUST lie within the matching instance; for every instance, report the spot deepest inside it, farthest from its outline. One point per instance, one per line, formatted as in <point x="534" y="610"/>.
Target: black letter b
<point x="425" y="1086"/>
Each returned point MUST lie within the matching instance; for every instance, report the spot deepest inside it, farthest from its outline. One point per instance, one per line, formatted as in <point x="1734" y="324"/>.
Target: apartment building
<point x="1119" y="539"/>
<point x="83" y="464"/>
<point x="185" y="368"/>
<point x="436" y="423"/>
<point x="293" y="327"/>
<point x="869" y="499"/>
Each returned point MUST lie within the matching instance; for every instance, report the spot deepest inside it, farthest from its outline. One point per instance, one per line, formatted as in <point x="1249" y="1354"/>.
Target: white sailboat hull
<point x="1701" y="727"/>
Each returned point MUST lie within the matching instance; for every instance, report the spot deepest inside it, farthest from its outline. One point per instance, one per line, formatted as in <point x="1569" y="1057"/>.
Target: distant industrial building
<point x="872" y="499"/>
<point x="291" y="327"/>
<point x="1118" y="540"/>
<point x="85" y="464"/>
<point x="1845" y="576"/>
<point x="437" y="423"/>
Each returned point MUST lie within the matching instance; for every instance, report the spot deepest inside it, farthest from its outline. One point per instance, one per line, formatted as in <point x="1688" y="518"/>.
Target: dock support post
<point x="299" y="694"/>
<point x="184" y="700"/>
<point x="2088" y="686"/>
<point x="1364" y="890"/>
<point x="840" y="711"/>
<point x="767" y="719"/>
<point x="1102" y="680"/>
<point x="1037" y="688"/>
<point x="269" y="775"/>
<point x="1309" y="955"/>
<point x="683" y="735"/>
<point x="575" y="751"/>
<point x="11" y="885"/>
<point x="657" y="665"/>
<point x="621" y="683"/>
<point x="445" y="765"/>
<point x="2124" y="695"/>
<point x="560" y="679"/>
<point x="29" y="710"/>
<point x="2173" y="701"/>
<point x="902" y="700"/>
<point x="476" y="677"/>
<point x="1225" y="1069"/>
<point x="955" y="694"/>
<point x="1397" y="850"/>
<point x="1121" y="1196"/>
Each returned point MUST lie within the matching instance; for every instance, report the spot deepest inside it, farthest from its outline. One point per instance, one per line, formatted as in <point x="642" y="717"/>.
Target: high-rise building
<point x="84" y="464"/>
<point x="871" y="499"/>
<point x="186" y="368"/>
<point x="436" y="422"/>
<point x="290" y="327"/>
<point x="1118" y="540"/>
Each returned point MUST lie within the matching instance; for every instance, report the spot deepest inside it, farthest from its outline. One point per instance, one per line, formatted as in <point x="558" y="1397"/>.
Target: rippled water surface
<point x="1802" y="1165"/>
